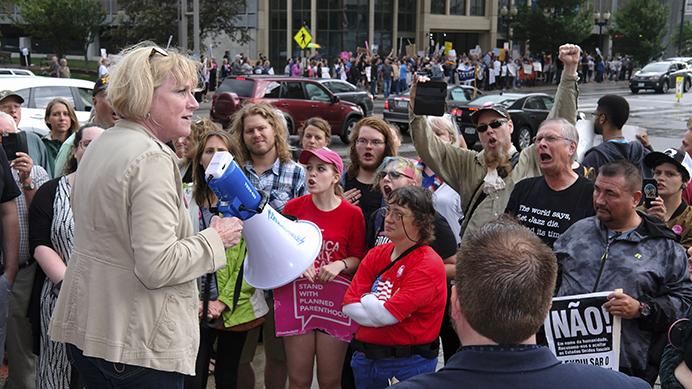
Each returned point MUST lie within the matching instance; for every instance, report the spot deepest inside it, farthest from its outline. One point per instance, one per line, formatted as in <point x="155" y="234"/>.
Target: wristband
<point x="345" y="263"/>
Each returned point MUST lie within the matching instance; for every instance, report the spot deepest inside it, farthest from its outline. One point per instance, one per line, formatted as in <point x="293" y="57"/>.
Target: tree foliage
<point x="157" y="20"/>
<point x="548" y="23"/>
<point x="60" y="22"/>
<point x="640" y="26"/>
<point x="686" y="47"/>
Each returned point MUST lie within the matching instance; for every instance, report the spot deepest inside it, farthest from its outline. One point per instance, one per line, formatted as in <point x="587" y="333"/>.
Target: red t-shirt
<point x="414" y="291"/>
<point x="343" y="228"/>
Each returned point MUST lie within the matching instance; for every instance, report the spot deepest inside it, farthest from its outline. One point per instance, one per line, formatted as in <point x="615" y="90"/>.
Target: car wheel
<point x="348" y="128"/>
<point x="522" y="139"/>
<point x="664" y="87"/>
<point x="634" y="91"/>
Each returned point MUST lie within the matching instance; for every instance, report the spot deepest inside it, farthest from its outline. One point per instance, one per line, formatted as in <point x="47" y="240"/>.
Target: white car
<point x="39" y="91"/>
<point x="16" y="72"/>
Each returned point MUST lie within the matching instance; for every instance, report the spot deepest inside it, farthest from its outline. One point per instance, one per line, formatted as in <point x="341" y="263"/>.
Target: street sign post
<point x="678" y="88"/>
<point x="302" y="37"/>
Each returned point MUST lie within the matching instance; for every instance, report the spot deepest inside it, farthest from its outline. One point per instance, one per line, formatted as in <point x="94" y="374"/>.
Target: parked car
<point x="687" y="60"/>
<point x="298" y="98"/>
<point x="16" y="72"/>
<point x="527" y="111"/>
<point x="348" y="92"/>
<point x="396" y="106"/>
<point x="661" y="76"/>
<point x="38" y="91"/>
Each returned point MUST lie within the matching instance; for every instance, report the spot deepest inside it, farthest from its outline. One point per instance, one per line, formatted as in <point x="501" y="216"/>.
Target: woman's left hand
<point x="329" y="271"/>
<point x="215" y="309"/>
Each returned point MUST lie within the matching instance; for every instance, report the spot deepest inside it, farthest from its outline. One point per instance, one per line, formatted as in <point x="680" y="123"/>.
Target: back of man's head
<point x="623" y="168"/>
<point x="615" y="108"/>
<point x="505" y="279"/>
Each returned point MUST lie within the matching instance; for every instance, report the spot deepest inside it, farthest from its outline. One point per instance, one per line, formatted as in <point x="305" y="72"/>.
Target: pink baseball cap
<point x="325" y="155"/>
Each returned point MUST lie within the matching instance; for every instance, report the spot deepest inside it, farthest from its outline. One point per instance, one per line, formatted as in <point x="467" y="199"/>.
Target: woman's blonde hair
<point x="143" y="68"/>
<point x="269" y="114"/>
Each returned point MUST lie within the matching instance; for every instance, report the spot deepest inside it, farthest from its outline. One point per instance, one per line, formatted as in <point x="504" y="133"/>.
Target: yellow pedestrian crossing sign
<point x="302" y="37"/>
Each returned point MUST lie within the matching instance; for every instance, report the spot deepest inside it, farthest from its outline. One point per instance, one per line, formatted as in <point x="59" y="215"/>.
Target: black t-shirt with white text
<point x="550" y="213"/>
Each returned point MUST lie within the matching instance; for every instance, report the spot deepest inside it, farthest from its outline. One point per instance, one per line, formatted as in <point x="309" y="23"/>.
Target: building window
<point x="407" y="16"/>
<point x="383" y="26"/>
<point x="457" y="7"/>
<point x="477" y="7"/>
<point x="437" y="7"/>
<point x="277" y="35"/>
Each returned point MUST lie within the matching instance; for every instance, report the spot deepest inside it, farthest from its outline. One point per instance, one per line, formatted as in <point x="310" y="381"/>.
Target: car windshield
<point x="655" y="67"/>
<point x="242" y="87"/>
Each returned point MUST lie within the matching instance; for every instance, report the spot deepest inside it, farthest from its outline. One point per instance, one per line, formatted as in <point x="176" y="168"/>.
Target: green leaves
<point x="549" y="23"/>
<point x="61" y="21"/>
<point x="640" y="27"/>
<point x="156" y="20"/>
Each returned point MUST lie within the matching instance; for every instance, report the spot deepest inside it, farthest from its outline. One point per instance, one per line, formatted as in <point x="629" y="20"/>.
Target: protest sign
<point x="465" y="75"/>
<point x="580" y="330"/>
<point x="302" y="306"/>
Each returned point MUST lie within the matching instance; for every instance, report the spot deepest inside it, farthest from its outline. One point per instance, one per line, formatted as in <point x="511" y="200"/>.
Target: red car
<point x="297" y="98"/>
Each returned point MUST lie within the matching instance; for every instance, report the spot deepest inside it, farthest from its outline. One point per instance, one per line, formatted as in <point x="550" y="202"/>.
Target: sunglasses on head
<point x="494" y="124"/>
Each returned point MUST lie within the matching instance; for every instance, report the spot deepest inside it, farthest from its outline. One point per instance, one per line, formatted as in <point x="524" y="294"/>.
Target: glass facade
<point x="457" y="7"/>
<point x="383" y="26"/>
<point x="277" y="34"/>
<point x="477" y="7"/>
<point x="437" y="7"/>
<point x="300" y="17"/>
<point x="342" y="25"/>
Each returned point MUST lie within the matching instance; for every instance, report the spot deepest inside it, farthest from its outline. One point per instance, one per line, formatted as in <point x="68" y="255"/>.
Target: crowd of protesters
<point x="387" y="74"/>
<point x="132" y="278"/>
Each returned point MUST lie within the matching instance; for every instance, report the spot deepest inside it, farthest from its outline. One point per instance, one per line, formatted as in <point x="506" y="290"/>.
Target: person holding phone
<point x="671" y="178"/>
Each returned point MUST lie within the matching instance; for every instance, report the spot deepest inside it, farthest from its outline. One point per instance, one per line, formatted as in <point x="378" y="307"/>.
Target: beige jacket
<point x="129" y="294"/>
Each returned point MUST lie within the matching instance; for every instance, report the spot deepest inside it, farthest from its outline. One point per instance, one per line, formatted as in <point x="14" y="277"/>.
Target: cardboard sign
<point x="580" y="330"/>
<point x="302" y="306"/>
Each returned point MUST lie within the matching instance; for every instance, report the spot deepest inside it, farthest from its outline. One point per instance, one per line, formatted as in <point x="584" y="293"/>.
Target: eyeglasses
<point x="395" y="213"/>
<point x="372" y="142"/>
<point x="394" y="175"/>
<point x="550" y="138"/>
<point x="494" y="124"/>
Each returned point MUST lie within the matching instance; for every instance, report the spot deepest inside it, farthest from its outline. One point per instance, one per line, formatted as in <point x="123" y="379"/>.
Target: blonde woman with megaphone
<point x="343" y="245"/>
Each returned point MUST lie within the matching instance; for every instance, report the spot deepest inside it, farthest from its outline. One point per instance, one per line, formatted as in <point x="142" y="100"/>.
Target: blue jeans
<point x="387" y="85"/>
<point x="97" y="373"/>
<point x="375" y="374"/>
<point x="402" y="85"/>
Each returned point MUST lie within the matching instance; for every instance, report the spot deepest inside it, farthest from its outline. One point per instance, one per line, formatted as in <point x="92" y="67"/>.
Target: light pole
<point x="507" y="14"/>
<point x="601" y="21"/>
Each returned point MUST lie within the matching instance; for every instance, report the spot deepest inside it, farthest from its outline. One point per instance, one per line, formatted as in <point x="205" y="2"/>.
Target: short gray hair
<point x="443" y="123"/>
<point x="10" y="120"/>
<point x="567" y="129"/>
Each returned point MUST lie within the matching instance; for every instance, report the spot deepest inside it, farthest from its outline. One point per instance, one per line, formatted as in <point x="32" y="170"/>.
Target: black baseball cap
<point x="672" y="156"/>
<point x="498" y="109"/>
<point x="7" y="93"/>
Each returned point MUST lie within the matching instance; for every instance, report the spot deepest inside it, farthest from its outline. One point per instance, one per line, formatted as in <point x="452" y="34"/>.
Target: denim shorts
<point x="375" y="374"/>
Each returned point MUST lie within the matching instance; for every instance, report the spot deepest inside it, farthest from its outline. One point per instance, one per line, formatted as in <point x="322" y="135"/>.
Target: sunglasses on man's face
<point x="494" y="124"/>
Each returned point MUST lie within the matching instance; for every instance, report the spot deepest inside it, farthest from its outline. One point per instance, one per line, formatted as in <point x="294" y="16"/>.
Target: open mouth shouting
<point x="545" y="157"/>
<point x="387" y="190"/>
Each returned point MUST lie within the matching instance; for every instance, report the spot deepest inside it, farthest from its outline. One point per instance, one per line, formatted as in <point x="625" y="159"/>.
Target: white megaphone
<point x="279" y="250"/>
